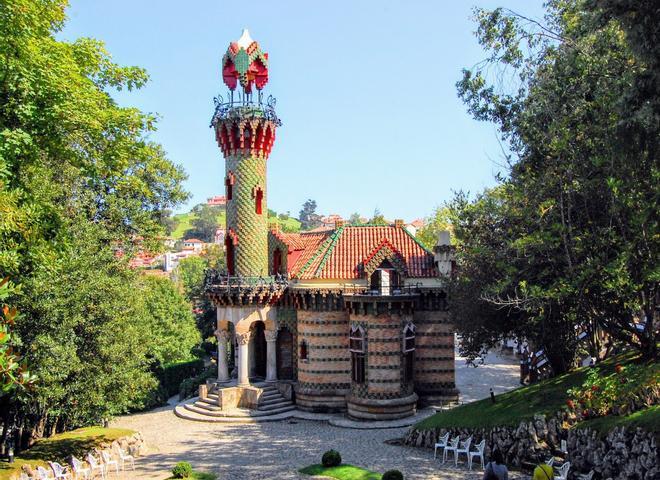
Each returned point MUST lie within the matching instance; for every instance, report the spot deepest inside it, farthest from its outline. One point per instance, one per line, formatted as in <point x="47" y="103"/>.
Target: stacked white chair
<point x="43" y="474"/>
<point x="108" y="462"/>
<point x="463" y="448"/>
<point x="79" y="469"/>
<point x="94" y="466"/>
<point x="563" y="471"/>
<point x="586" y="476"/>
<point x="478" y="453"/>
<point x="59" y="471"/>
<point x="451" y="447"/>
<point x="442" y="443"/>
<point x="123" y="457"/>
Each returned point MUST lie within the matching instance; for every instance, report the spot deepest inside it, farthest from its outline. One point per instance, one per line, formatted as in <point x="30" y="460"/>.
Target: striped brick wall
<point x="324" y="378"/>
<point x="434" y="356"/>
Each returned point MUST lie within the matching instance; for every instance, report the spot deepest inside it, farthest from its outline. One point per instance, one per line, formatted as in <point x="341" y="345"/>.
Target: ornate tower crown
<point x="245" y="63"/>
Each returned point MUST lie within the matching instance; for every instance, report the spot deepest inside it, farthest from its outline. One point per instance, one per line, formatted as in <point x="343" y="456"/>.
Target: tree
<point x="378" y="219"/>
<point x="355" y="219"/>
<point x="309" y="219"/>
<point x="189" y="275"/>
<point x="440" y="221"/>
<point x="81" y="187"/>
<point x="569" y="240"/>
<point x="169" y="319"/>
<point x="204" y="224"/>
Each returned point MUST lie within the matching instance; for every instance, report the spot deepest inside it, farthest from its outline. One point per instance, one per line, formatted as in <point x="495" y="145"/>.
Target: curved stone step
<point x="275" y="405"/>
<point x="237" y="413"/>
<point x="181" y="412"/>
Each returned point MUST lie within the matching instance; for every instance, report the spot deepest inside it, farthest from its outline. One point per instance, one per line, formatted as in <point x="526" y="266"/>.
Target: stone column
<point x="271" y="355"/>
<point x="243" y="375"/>
<point x="223" y="337"/>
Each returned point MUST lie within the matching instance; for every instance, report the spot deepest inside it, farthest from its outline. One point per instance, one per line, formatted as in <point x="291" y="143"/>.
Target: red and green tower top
<point x="245" y="131"/>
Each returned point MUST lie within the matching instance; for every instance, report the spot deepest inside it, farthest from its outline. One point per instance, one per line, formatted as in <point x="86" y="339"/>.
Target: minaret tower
<point x="245" y="131"/>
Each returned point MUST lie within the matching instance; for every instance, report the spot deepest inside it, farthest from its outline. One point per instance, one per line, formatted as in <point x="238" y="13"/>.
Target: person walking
<point x="495" y="469"/>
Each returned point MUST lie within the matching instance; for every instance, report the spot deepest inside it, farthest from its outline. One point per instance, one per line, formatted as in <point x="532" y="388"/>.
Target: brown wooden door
<point x="285" y="355"/>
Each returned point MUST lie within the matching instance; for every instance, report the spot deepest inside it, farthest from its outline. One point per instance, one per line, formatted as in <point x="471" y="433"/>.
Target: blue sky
<point x="365" y="90"/>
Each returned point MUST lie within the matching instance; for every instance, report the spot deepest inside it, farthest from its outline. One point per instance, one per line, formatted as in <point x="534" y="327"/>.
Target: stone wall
<point x="623" y="454"/>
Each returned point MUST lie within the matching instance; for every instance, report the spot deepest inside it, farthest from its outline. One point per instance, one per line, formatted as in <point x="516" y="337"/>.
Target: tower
<point x="245" y="131"/>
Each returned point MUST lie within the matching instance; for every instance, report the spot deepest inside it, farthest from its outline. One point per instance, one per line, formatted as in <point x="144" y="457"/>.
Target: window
<point x="229" y="246"/>
<point x="409" y="338"/>
<point x="303" y="350"/>
<point x="229" y="184"/>
<point x="277" y="261"/>
<point x="408" y="353"/>
<point x="357" y="349"/>
<point x="258" y="201"/>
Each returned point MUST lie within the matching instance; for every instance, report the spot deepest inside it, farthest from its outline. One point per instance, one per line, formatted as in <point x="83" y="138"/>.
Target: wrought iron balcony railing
<point x="217" y="281"/>
<point x="245" y="106"/>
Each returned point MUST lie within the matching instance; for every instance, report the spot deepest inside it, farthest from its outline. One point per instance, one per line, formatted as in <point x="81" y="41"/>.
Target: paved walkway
<point x="277" y="450"/>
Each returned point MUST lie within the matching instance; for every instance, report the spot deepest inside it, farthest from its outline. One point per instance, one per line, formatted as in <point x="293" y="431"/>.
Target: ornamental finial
<point x="245" y="63"/>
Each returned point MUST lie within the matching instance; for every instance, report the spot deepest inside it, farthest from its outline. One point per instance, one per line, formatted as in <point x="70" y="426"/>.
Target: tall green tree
<point x="308" y="217"/>
<point x="570" y="239"/>
<point x="205" y="223"/>
<point x="81" y="186"/>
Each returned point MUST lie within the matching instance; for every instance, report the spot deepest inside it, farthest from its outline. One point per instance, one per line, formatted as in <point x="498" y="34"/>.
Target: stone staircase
<point x="272" y="406"/>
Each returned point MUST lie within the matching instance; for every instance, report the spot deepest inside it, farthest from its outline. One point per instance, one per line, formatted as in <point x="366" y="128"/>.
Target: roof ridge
<point x="320" y="249"/>
<point x="334" y="237"/>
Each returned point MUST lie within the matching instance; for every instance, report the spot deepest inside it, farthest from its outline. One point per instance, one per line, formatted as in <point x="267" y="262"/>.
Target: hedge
<point x="172" y="374"/>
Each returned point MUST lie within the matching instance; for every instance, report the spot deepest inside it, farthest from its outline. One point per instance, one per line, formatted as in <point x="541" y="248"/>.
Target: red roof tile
<point x="341" y="254"/>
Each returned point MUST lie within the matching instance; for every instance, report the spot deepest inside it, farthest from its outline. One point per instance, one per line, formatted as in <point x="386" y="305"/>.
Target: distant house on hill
<point x="217" y="201"/>
<point x="330" y="220"/>
<point x="172" y="259"/>
<point x="193" y="243"/>
<point x="414" y="226"/>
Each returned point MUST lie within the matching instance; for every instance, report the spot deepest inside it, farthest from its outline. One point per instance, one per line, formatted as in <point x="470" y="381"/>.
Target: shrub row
<point x="189" y="386"/>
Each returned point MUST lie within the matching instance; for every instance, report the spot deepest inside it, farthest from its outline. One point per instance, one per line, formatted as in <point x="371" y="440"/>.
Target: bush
<point x="331" y="458"/>
<point x="171" y="375"/>
<point x="182" y="470"/>
<point x="393" y="475"/>
<point x="189" y="386"/>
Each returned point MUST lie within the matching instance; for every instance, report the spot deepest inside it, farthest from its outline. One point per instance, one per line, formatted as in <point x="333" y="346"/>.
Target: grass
<point x="648" y="419"/>
<point x="200" y="476"/>
<point x="341" y="472"/>
<point x="545" y="397"/>
<point x="58" y="447"/>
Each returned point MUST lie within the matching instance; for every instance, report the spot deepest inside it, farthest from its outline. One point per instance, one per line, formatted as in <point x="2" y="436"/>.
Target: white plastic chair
<point x="43" y="474"/>
<point x="94" y="465"/>
<point x="464" y="448"/>
<point x="586" y="476"/>
<point x="452" y="447"/>
<point x="24" y="476"/>
<point x="550" y="461"/>
<point x="123" y="456"/>
<point x="478" y="453"/>
<point x="79" y="468"/>
<point x="108" y="462"/>
<point x="442" y="443"/>
<point x="59" y="471"/>
<point x="563" y="471"/>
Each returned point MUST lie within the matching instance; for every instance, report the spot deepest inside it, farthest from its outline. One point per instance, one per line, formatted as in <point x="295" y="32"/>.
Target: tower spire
<point x="245" y="132"/>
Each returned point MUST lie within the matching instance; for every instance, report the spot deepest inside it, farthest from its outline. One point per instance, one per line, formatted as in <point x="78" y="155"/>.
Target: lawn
<point x="184" y="223"/>
<point x="341" y="472"/>
<point x="59" y="447"/>
<point x="545" y="397"/>
<point x="648" y="419"/>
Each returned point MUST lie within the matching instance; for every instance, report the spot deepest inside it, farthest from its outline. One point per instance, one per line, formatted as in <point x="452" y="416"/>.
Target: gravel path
<point x="277" y="450"/>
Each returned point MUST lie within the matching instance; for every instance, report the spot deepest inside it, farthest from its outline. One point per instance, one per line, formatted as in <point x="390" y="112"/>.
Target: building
<point x="219" y="236"/>
<point x="217" y="201"/>
<point x="171" y="259"/>
<point x="350" y="318"/>
<point x="330" y="220"/>
<point x="193" y="243"/>
<point x="414" y="226"/>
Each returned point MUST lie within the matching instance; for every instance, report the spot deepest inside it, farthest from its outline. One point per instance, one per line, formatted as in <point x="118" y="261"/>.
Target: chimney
<point x="444" y="253"/>
<point x="274" y="227"/>
<point x="398" y="223"/>
<point x="339" y="223"/>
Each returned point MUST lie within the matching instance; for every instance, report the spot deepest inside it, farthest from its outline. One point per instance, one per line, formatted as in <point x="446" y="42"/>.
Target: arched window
<point x="303" y="350"/>
<point x="277" y="261"/>
<point x="408" y="353"/>
<point x="229" y="247"/>
<point x="357" y="348"/>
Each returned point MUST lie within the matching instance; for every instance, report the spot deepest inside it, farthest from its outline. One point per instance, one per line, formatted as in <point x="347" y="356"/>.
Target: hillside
<point x="184" y="222"/>
<point x="545" y="397"/>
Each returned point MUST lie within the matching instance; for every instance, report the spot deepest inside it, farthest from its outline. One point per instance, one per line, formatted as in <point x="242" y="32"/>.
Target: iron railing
<point x="245" y="105"/>
<point x="215" y="280"/>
